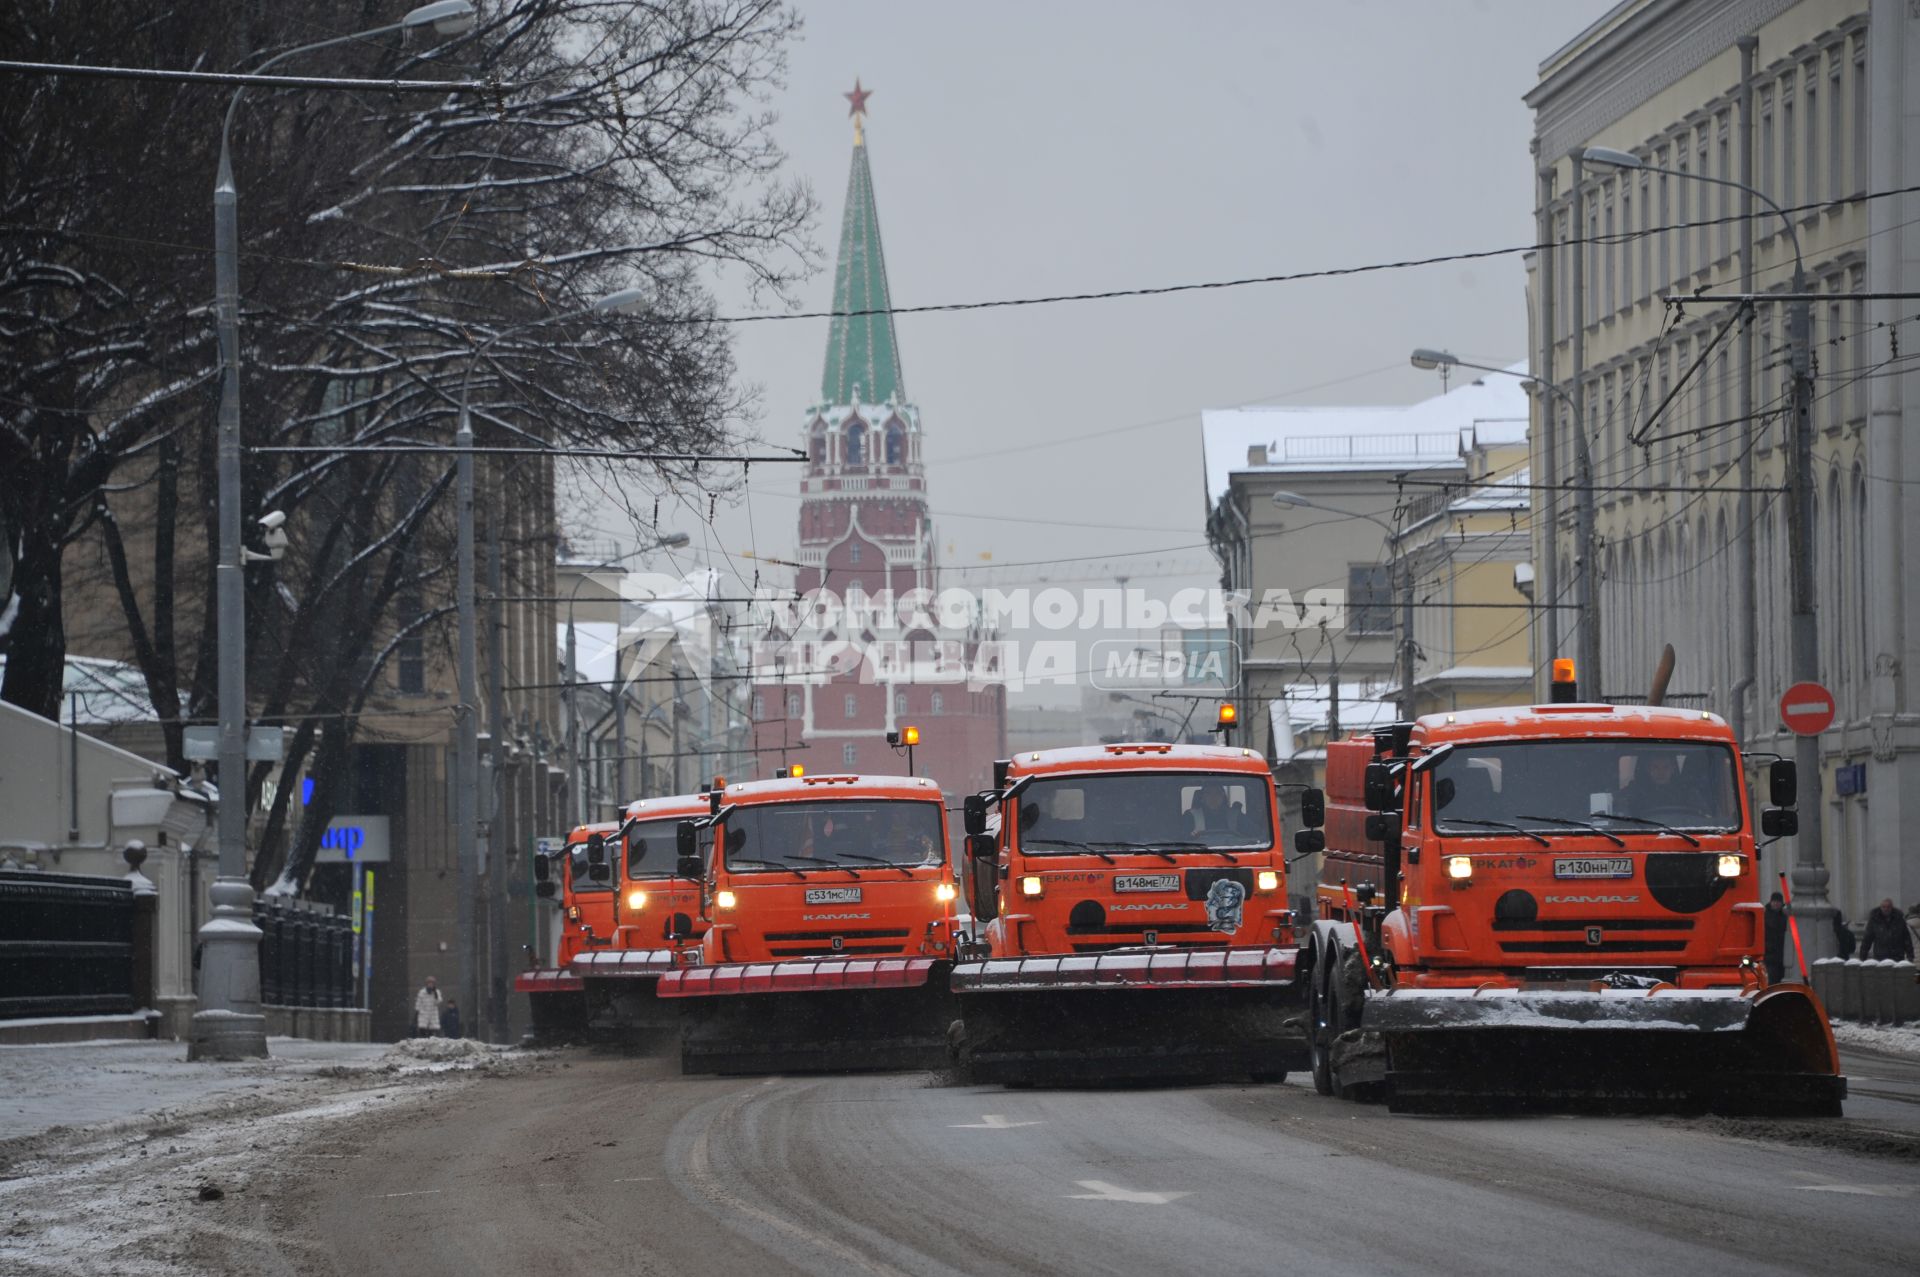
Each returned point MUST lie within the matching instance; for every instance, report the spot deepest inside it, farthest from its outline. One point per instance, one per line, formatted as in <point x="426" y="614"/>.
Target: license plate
<point x="1594" y="867"/>
<point x="833" y="895"/>
<point x="1146" y="882"/>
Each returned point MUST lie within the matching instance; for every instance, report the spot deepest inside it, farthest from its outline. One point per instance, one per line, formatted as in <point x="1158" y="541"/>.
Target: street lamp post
<point x="466" y="797"/>
<point x="1404" y="653"/>
<point x="1586" y="598"/>
<point x="1803" y="636"/>
<point x="229" y="1024"/>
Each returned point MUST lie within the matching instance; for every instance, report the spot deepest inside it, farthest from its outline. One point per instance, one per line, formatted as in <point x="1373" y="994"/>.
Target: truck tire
<point x="1320" y="1027"/>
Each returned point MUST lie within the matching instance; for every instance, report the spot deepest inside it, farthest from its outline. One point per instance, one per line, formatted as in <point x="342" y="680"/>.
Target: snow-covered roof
<point x="1425" y="435"/>
<point x="1509" y="492"/>
<point x="108" y="691"/>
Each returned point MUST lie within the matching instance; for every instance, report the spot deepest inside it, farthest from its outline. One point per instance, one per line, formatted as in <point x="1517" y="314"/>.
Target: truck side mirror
<point x="1002" y="768"/>
<point x="982" y="879"/>
<point x="687" y="863"/>
<point x="981" y="847"/>
<point x="542" y="868"/>
<point x="597" y="858"/>
<point x="1313" y="808"/>
<point x="1309" y="842"/>
<point x="1383" y="827"/>
<point x="1783" y="783"/>
<point x="1779" y="822"/>
<point x="974" y="810"/>
<point x="1379" y="787"/>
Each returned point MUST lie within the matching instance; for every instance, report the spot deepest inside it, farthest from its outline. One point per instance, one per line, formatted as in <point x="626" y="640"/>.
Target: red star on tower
<point x="858" y="98"/>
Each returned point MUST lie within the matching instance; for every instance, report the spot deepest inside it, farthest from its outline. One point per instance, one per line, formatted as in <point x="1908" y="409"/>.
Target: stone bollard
<point x="1827" y="974"/>
<point x="1906" y="993"/>
<point x="1852" y="997"/>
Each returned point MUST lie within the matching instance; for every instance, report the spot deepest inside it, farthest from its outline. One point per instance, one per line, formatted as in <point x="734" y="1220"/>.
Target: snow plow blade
<point x="1130" y="1015"/>
<point x="557" y="1000"/>
<point x="621" y="1007"/>
<point x="814" y="1015"/>
<point x="1496" y="1049"/>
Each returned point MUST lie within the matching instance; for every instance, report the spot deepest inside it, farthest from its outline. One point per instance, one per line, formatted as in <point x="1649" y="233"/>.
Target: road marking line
<point x="1864" y="1190"/>
<point x="637" y="1179"/>
<point x="423" y="1192"/>
<point x="990" y="1122"/>
<point x="1105" y="1192"/>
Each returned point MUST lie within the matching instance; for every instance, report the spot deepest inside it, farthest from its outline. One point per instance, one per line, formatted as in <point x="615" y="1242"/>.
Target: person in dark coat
<point x="1776" y="951"/>
<point x="1842" y="937"/>
<point x="449" y="1019"/>
<point x="1887" y="935"/>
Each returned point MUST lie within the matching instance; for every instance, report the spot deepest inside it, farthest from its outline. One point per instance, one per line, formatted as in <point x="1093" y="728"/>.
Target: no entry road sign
<point x="1807" y="709"/>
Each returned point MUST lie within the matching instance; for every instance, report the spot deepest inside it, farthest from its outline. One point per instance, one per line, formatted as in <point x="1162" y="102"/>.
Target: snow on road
<point x="123" y="1157"/>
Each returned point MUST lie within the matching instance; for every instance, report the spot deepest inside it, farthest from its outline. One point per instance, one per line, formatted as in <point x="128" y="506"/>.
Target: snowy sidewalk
<point x="120" y="1157"/>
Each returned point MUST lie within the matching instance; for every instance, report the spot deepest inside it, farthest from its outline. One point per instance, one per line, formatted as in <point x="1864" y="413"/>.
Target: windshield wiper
<point x="1657" y="824"/>
<point x="1494" y="824"/>
<point x="1615" y="839"/>
<point x="1153" y="850"/>
<point x="744" y="860"/>
<point x="1069" y="842"/>
<point x="854" y="855"/>
<point x="1233" y="857"/>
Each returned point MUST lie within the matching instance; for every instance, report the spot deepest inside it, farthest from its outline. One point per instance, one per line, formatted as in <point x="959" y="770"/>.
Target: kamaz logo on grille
<point x="1592" y="900"/>
<point x="1593" y="935"/>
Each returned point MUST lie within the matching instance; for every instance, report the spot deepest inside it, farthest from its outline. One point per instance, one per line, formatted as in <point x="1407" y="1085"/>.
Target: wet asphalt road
<point x="605" y="1164"/>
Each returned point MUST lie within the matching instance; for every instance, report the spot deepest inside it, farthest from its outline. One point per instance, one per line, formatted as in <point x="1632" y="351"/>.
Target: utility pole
<point x="498" y="838"/>
<point x="466" y="799"/>
<point x="1747" y="615"/>
<point x="1585" y="597"/>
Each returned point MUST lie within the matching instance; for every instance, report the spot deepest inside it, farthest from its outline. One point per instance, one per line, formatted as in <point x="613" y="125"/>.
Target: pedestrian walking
<point x="1842" y="937"/>
<point x="1887" y="935"/>
<point x="426" y="1010"/>
<point x="1776" y="935"/>
<point x="450" y="1019"/>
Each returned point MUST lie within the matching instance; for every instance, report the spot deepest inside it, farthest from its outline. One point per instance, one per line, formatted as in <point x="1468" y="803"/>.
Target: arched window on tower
<point x="856" y="444"/>
<point x="896" y="444"/>
<point x="817" y="449"/>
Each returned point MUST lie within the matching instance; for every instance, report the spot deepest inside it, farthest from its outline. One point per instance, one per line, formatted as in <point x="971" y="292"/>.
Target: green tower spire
<point x="862" y="351"/>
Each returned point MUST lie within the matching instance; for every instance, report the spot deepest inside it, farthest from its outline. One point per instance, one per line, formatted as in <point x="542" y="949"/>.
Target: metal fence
<point x="306" y="954"/>
<point x="68" y="945"/>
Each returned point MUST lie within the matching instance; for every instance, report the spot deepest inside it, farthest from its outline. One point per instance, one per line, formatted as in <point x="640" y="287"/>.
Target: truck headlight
<point x="1030" y="885"/>
<point x="944" y="891"/>
<point x="725" y="899"/>
<point x="1459" y="868"/>
<point x="1730" y="865"/>
<point x="1268" y="880"/>
<point x="636" y="900"/>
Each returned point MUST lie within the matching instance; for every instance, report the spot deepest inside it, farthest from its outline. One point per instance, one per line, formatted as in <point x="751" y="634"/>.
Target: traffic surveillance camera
<point x="273" y="519"/>
<point x="273" y="536"/>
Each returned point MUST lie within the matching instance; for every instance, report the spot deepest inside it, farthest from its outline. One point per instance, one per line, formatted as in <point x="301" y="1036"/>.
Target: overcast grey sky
<point x="1023" y="149"/>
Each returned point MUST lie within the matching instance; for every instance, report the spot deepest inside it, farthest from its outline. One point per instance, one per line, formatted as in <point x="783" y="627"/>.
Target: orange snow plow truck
<point x="1133" y="906"/>
<point x="1554" y="906"/>
<point x="624" y="921"/>
<point x="829" y="910"/>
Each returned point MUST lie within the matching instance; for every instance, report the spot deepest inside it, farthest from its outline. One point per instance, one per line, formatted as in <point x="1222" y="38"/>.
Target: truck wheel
<point x="1320" y="1039"/>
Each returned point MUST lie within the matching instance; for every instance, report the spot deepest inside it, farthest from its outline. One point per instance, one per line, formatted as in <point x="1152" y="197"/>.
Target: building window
<point x="1704" y="235"/>
<point x="1836" y="142"/>
<point x="1646" y="237"/>
<point x="1607" y="306"/>
<point x="1726" y="192"/>
<point x="853" y="552"/>
<point x="1590" y="301"/>
<point x="896" y="446"/>
<point x="849" y="756"/>
<point x="1787" y="184"/>
<point x="1683" y="203"/>
<point x="852" y="706"/>
<point x="1666" y="264"/>
<point x="1812" y="147"/>
<point x="1626" y="249"/>
<point x="759" y="706"/>
<point x="938" y="703"/>
<point x="1766" y="155"/>
<point x="900" y="704"/>
<point x="793" y="706"/>
<point x="410" y="660"/>
<point x="1861" y="155"/>
<point x="856" y="444"/>
<point x="1369" y="599"/>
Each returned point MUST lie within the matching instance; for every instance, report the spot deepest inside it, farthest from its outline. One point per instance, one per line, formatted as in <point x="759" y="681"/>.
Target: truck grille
<point x="1138" y="939"/>
<point x="854" y="941"/>
<point x="1617" y="935"/>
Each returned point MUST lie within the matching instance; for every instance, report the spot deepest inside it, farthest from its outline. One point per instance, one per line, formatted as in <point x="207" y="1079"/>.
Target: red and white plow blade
<point x="1194" y="969"/>
<point x="624" y="963"/>
<point x="548" y="980"/>
<point x="799" y="976"/>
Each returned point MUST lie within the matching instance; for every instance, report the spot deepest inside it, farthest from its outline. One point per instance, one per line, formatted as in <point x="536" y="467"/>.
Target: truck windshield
<point x="652" y="846"/>
<point x="1175" y="812"/>
<point x="783" y="837"/>
<point x="1618" y="785"/>
<point x="577" y="875"/>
